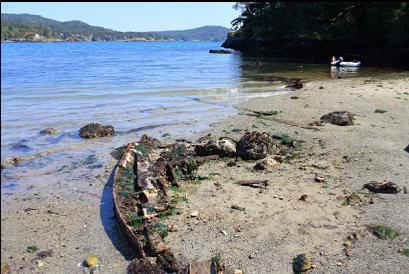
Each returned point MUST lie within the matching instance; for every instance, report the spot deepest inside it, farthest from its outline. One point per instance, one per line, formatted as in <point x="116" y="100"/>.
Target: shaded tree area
<point x="376" y="33"/>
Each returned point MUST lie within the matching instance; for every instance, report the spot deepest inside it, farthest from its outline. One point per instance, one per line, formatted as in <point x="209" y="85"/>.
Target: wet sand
<point x="276" y="226"/>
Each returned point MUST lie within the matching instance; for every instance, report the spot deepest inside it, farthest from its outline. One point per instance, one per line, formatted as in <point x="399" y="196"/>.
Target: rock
<point x="206" y="146"/>
<point x="354" y="199"/>
<point x="255" y="145"/>
<point x="94" y="130"/>
<point x="295" y="84"/>
<point x="39" y="263"/>
<point x="91" y="261"/>
<point x="223" y="232"/>
<point x="49" y="131"/>
<point x="5" y="268"/>
<point x="385" y="187"/>
<point x="268" y="164"/>
<point x="302" y="263"/>
<point x="220" y="51"/>
<point x="227" y="147"/>
<point x="194" y="214"/>
<point x="238" y="271"/>
<point x="407" y="149"/>
<point x="340" y="118"/>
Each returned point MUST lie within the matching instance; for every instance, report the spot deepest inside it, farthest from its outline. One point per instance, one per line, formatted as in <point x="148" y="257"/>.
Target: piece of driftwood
<point x="254" y="183"/>
<point x="202" y="159"/>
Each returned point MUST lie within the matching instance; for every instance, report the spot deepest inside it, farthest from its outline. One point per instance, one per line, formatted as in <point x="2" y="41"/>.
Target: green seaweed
<point x="385" y="232"/>
<point x="380" y="111"/>
<point x="162" y="229"/>
<point x="169" y="212"/>
<point x="406" y="252"/>
<point x="135" y="220"/>
<point x="32" y="248"/>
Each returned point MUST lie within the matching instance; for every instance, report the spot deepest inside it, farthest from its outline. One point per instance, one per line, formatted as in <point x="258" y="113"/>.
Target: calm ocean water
<point x="128" y="85"/>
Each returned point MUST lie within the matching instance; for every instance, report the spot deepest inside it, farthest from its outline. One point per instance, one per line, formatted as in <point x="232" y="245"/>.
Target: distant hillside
<point x="206" y="33"/>
<point x="26" y="26"/>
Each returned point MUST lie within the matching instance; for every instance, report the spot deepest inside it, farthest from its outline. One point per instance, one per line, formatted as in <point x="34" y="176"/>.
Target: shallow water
<point x="166" y="89"/>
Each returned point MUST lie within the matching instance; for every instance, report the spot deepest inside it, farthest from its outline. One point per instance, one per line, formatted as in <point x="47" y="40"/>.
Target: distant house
<point x="36" y="36"/>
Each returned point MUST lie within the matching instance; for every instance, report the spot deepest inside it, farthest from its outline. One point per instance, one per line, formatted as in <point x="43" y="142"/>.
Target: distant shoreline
<point x="59" y="41"/>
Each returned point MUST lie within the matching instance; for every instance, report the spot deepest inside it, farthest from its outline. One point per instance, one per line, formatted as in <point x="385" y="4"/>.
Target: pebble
<point x="223" y="232"/>
<point x="194" y="214"/>
<point x="91" y="261"/>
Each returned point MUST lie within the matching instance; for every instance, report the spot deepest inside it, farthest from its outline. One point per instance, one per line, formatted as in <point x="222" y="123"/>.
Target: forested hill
<point x="373" y="32"/>
<point x="206" y="33"/>
<point x="25" y="26"/>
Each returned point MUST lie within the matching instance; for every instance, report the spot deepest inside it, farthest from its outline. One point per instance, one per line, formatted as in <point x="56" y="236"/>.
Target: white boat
<point x="346" y="64"/>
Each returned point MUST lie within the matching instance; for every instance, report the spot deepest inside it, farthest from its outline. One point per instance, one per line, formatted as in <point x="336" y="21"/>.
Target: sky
<point x="139" y="16"/>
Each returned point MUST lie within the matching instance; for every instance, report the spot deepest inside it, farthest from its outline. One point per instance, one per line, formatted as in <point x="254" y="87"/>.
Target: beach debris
<point x="49" y="131"/>
<point x="340" y="118"/>
<point x="384" y="187"/>
<point x="254" y="183"/>
<point x="263" y="113"/>
<point x="236" y="207"/>
<point x="44" y="254"/>
<point x="354" y="199"/>
<point x="143" y="265"/>
<point x="384" y="232"/>
<point x="5" y="268"/>
<point x="39" y="263"/>
<point x="94" y="130"/>
<point x="255" y="145"/>
<point x="315" y="124"/>
<point x="303" y="197"/>
<point x="220" y="51"/>
<point x="349" y="243"/>
<point x="319" y="179"/>
<point x="91" y="261"/>
<point x="301" y="263"/>
<point x="268" y="164"/>
<point x="210" y="266"/>
<point x="294" y="97"/>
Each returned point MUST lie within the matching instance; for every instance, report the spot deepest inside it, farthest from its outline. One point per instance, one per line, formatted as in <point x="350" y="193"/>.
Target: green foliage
<point x="170" y="212"/>
<point x="26" y="25"/>
<point x="206" y="33"/>
<point x="32" y="248"/>
<point x="314" y="30"/>
<point x="385" y="232"/>
<point x="216" y="259"/>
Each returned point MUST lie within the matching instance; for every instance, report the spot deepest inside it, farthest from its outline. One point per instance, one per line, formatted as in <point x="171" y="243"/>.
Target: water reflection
<point x="340" y="72"/>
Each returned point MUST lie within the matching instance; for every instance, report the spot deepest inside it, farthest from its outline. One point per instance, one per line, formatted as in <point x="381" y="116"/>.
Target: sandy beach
<point x="275" y="226"/>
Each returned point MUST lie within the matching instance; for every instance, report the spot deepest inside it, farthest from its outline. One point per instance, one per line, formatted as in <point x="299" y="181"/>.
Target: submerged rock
<point x="49" y="131"/>
<point x="255" y="145"/>
<point x="302" y="263"/>
<point x="385" y="187"/>
<point x="94" y="130"/>
<point x="220" y="51"/>
<point x="340" y="118"/>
